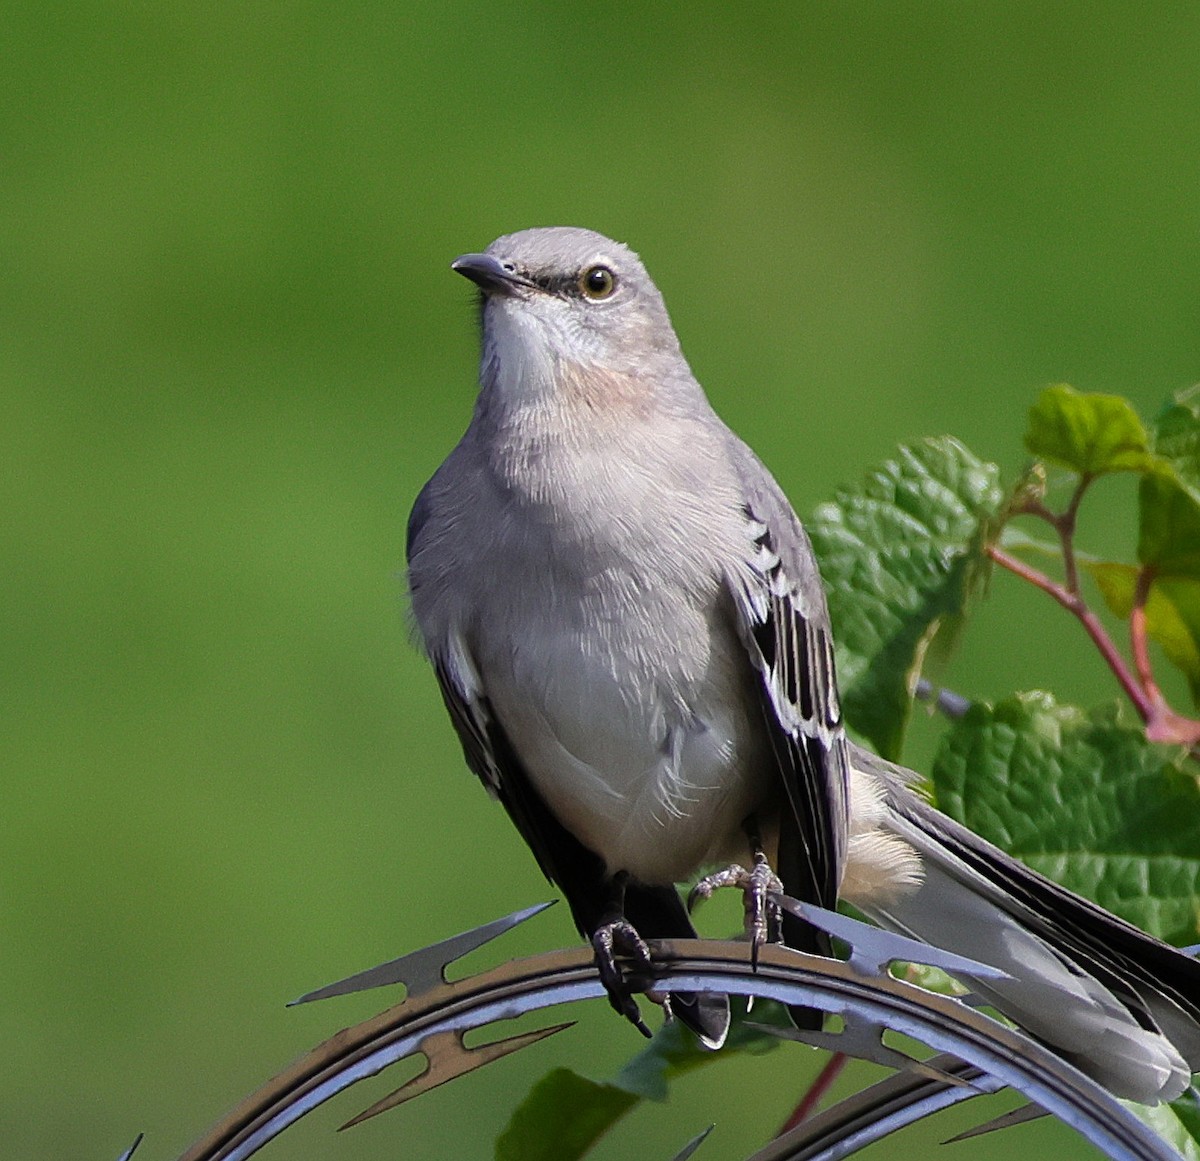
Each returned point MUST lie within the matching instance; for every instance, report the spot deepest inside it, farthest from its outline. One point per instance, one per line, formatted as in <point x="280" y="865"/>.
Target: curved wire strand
<point x="978" y="1053"/>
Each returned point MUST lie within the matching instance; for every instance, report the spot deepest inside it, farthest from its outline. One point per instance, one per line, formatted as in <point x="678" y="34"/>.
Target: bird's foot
<point x="619" y="937"/>
<point x="763" y="916"/>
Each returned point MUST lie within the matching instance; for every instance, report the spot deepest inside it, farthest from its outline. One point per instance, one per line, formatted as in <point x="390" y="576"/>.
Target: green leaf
<point x="1177" y="435"/>
<point x="1116" y="582"/>
<point x="1083" y="798"/>
<point x="670" y="1052"/>
<point x="899" y="552"/>
<point x="1173" y="620"/>
<point x="1088" y="433"/>
<point x="1188" y="1109"/>
<point x="673" y="1051"/>
<point x="1172" y="613"/>
<point x="932" y="979"/>
<point x="563" y="1116"/>
<point x="1169" y="529"/>
<point x="1177" y="1123"/>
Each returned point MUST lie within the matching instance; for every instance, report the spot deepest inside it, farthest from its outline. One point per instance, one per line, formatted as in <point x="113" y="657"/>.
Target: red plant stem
<point x="1165" y="725"/>
<point x="1065" y="525"/>
<point x="1137" y="635"/>
<point x="816" y="1092"/>
<point x="1075" y="605"/>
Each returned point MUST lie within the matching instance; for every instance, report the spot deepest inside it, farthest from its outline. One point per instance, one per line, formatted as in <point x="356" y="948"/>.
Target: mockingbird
<point x="629" y="631"/>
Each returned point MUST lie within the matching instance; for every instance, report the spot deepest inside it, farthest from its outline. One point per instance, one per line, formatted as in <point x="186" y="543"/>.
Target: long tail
<point x="1121" y="1005"/>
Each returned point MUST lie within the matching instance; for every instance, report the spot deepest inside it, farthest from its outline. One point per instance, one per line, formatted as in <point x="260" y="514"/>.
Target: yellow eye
<point x="597" y="282"/>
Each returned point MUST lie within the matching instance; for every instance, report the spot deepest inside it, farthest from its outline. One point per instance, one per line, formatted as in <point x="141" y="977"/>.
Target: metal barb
<point x="421" y="971"/>
<point x="447" y="1058"/>
<point x="879" y="1110"/>
<point x="1017" y="1116"/>
<point x="864" y="1041"/>
<point x="129" y="1152"/>
<point x="693" y="1145"/>
<point x="872" y="949"/>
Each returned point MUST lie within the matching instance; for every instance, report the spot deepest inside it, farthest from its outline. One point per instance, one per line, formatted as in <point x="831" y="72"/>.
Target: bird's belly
<point x="643" y="756"/>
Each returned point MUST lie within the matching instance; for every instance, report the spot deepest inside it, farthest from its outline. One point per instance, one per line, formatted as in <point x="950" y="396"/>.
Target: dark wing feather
<point x="564" y="860"/>
<point x="784" y="624"/>
<point x="655" y="912"/>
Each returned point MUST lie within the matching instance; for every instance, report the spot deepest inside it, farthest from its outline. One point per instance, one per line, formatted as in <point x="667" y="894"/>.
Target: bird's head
<point x="559" y="302"/>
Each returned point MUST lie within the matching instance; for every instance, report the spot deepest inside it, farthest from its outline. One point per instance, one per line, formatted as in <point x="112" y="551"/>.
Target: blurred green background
<point x="232" y="351"/>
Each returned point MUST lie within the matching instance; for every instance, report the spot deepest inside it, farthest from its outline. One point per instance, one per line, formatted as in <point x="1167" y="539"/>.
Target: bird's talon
<point x="633" y="1014"/>
<point x="620" y="937"/>
<point x="764" y="918"/>
<point x="734" y="875"/>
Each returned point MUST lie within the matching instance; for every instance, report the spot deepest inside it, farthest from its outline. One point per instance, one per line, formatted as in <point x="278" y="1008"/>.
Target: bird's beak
<point x="490" y="274"/>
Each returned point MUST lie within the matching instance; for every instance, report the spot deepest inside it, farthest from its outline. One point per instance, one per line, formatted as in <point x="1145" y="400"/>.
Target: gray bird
<point x="629" y="631"/>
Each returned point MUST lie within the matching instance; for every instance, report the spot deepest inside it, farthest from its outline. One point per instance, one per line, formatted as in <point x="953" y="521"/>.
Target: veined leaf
<point x="1083" y="798"/>
<point x="1177" y="435"/>
<point x="1087" y="432"/>
<point x="1169" y="530"/>
<point x="898" y="553"/>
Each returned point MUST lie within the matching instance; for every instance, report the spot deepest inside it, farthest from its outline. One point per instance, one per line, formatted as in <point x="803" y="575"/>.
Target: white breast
<point x="639" y="751"/>
<point x="629" y="733"/>
<point x="588" y="585"/>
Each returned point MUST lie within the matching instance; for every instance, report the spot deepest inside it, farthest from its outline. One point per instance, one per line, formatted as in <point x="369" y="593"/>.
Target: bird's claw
<point x="620" y="937"/>
<point x="763" y="915"/>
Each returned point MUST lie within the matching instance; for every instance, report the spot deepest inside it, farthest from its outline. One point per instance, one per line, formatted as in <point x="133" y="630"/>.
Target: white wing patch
<point x="462" y="690"/>
<point x="791" y="647"/>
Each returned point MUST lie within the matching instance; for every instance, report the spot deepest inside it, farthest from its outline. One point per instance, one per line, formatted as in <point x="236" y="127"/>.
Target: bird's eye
<point x="597" y="282"/>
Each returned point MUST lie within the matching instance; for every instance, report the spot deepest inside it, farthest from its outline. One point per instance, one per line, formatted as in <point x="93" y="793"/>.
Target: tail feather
<point x="1120" y="1004"/>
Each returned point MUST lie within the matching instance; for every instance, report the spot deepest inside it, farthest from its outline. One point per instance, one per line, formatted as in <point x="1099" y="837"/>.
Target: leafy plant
<point x="1102" y="800"/>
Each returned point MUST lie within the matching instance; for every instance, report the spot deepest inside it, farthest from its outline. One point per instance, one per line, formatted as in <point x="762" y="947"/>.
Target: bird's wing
<point x="784" y="624"/>
<point x="656" y="912"/>
<point x="579" y="871"/>
<point x="563" y="859"/>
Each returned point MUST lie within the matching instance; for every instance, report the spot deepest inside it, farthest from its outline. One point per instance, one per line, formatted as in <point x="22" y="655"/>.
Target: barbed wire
<point x="975" y="1054"/>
